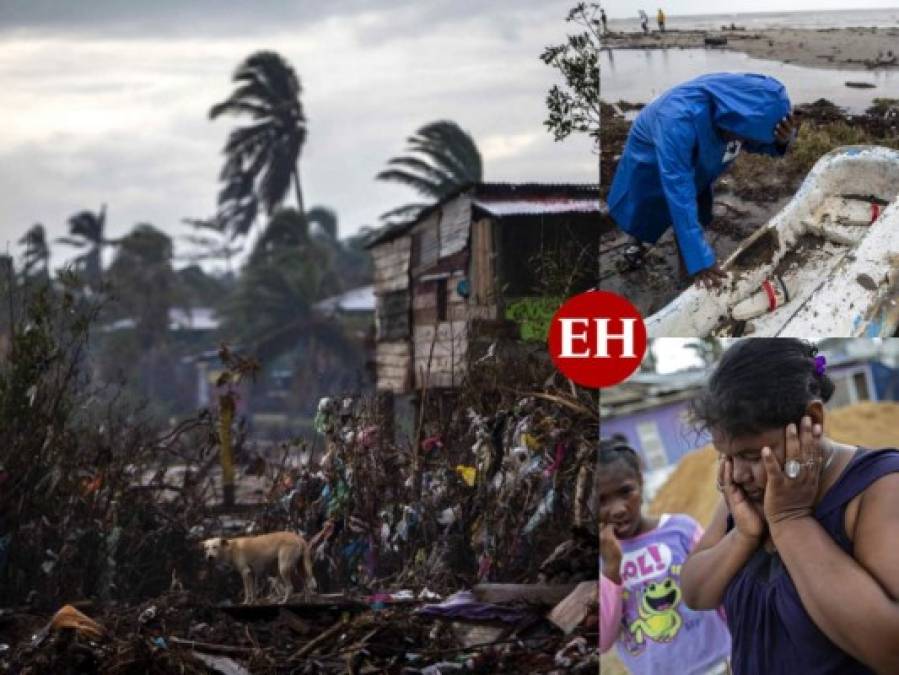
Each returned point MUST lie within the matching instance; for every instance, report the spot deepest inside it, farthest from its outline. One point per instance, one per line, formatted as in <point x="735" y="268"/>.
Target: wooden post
<point x="227" y="406"/>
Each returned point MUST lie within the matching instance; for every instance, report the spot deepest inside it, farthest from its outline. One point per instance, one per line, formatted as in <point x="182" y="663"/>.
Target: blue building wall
<point x="886" y="382"/>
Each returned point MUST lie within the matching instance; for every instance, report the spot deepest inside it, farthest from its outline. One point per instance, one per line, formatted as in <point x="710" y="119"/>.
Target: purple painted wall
<point x="673" y="429"/>
<point x="675" y="432"/>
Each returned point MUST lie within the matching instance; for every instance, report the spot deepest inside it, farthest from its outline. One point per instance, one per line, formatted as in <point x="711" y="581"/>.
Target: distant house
<point x="355" y="301"/>
<point x="198" y="320"/>
<point x="443" y="281"/>
<point x="651" y="410"/>
<point x="272" y="402"/>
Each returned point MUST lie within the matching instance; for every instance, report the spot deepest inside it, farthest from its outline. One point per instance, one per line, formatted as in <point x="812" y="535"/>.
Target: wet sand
<point x="848" y="48"/>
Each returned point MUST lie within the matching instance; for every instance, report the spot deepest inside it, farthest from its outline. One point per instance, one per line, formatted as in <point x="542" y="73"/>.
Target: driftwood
<point x="569" y="613"/>
<point x="324" y="637"/>
<point x="538" y="594"/>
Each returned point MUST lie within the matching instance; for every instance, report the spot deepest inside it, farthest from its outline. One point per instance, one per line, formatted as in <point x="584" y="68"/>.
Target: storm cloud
<point x="105" y="102"/>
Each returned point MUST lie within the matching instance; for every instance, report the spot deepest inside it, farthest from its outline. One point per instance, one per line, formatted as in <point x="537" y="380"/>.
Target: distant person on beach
<point x="644" y="22"/>
<point x="677" y="148"/>
<point x="640" y="607"/>
<point x="802" y="547"/>
<point x="602" y="18"/>
<point x="660" y="18"/>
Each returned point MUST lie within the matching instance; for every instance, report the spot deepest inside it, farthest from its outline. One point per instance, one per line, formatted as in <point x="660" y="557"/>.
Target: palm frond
<point x="405" y="213"/>
<point x="419" y="184"/>
<point x="69" y="241"/>
<point x="436" y="176"/>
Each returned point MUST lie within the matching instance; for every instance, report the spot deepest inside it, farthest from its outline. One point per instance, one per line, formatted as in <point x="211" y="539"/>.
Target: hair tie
<point x="820" y="365"/>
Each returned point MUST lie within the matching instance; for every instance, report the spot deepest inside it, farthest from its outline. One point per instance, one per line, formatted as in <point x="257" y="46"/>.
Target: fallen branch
<point x="312" y="644"/>
<point x="211" y="648"/>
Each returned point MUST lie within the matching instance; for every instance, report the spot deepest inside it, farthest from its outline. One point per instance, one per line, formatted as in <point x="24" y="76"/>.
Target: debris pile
<point x="410" y="539"/>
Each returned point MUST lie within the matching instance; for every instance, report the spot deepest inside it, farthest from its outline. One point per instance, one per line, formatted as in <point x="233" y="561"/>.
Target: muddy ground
<point x="746" y="197"/>
<point x="845" y="48"/>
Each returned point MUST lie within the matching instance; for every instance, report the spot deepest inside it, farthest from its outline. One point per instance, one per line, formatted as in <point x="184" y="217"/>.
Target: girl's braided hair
<point x="617" y="449"/>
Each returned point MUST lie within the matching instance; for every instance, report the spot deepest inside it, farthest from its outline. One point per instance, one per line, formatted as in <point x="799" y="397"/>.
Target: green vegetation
<point x="574" y="107"/>
<point x="762" y="178"/>
<point x="534" y="315"/>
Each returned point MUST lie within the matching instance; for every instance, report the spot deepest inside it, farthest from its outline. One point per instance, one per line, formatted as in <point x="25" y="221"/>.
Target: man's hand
<point x="787" y="129"/>
<point x="711" y="277"/>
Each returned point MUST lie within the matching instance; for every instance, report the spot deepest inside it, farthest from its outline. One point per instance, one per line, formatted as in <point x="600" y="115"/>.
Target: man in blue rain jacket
<point x="678" y="146"/>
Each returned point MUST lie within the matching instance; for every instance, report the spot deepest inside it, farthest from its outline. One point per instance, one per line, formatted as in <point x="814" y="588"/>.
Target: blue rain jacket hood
<point x="675" y="152"/>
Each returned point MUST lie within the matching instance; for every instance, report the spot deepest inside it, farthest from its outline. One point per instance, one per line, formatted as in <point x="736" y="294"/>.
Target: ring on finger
<point x="793" y="467"/>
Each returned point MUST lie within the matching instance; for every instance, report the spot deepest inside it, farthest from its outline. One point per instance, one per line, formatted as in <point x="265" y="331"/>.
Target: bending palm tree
<point x="261" y="158"/>
<point x="441" y="158"/>
<point x="37" y="252"/>
<point x="325" y="218"/>
<point x="87" y="229"/>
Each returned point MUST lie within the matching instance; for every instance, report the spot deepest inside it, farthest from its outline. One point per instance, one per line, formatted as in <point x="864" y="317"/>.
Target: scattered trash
<point x="221" y="664"/>
<point x="568" y="655"/>
<point x="69" y="617"/>
<point x="499" y="488"/>
<point x="147" y="615"/>
<point x="427" y="594"/>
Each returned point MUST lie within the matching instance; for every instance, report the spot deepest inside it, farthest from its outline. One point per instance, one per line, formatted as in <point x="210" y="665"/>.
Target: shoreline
<point x="861" y="49"/>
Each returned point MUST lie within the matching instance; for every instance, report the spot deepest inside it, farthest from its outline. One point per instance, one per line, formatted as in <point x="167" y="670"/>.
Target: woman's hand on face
<point x="787" y="498"/>
<point x="610" y="552"/>
<point x="748" y="519"/>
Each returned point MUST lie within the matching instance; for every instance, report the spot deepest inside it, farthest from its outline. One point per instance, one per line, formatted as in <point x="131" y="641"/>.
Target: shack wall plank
<point x="455" y="225"/>
<point x="482" y="269"/>
<point x="391" y="265"/>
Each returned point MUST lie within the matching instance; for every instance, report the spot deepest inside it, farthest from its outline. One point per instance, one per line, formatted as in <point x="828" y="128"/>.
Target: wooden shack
<point x="444" y="278"/>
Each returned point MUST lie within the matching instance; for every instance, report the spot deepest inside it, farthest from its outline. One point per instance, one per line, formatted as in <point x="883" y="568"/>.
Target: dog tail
<point x="309" y="576"/>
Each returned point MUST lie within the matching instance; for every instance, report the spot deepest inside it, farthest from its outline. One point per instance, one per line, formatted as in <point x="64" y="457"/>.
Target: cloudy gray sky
<point x="106" y="101"/>
<point x="629" y="8"/>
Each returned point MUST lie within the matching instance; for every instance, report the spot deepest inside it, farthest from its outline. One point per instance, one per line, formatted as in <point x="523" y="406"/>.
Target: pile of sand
<point x="691" y="488"/>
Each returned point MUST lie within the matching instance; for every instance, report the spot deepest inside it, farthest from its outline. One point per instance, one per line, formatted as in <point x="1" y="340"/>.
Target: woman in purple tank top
<point x="803" y="547"/>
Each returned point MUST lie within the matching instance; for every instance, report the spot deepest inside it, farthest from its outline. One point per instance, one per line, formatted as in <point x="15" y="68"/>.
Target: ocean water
<point x="880" y="18"/>
<point x="641" y="75"/>
<point x="638" y="76"/>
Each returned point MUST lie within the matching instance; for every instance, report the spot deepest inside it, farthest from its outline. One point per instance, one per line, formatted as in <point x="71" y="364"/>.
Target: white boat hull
<point x="845" y="273"/>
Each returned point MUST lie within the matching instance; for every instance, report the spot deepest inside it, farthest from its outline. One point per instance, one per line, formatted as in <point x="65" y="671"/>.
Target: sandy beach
<point x="847" y="48"/>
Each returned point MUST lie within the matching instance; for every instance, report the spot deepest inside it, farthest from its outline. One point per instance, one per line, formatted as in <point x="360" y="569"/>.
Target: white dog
<point x="251" y="555"/>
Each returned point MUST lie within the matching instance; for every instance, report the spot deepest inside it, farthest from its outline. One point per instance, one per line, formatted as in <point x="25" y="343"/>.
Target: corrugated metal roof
<point x="493" y="192"/>
<point x="538" y="205"/>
